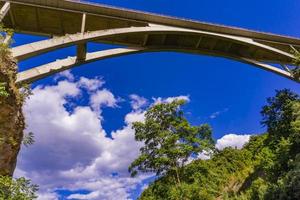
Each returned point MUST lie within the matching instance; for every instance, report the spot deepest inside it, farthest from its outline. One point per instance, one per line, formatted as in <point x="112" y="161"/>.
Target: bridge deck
<point x="64" y="17"/>
<point x="59" y="17"/>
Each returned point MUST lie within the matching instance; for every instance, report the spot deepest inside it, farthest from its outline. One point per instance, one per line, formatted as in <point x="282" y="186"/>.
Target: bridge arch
<point x="36" y="48"/>
<point x="43" y="71"/>
<point x="69" y="22"/>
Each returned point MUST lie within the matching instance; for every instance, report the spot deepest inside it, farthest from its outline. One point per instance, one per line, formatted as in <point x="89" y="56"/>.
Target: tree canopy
<point x="169" y="140"/>
<point x="17" y="189"/>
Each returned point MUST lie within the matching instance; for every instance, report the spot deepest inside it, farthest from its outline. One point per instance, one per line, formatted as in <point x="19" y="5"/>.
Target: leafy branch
<point x="17" y="189"/>
<point x="28" y="139"/>
<point x="25" y="91"/>
<point x="3" y="92"/>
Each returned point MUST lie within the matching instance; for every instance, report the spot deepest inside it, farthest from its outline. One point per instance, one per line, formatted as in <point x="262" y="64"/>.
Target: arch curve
<point x="37" y="48"/>
<point x="42" y="71"/>
<point x="135" y="29"/>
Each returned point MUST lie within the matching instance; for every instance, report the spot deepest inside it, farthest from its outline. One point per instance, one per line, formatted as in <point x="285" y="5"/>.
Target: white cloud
<point x="138" y="116"/>
<point x="47" y="196"/>
<point x="91" y="84"/>
<point x="102" y="98"/>
<point x="216" y="114"/>
<point x="232" y="140"/>
<point x="137" y="102"/>
<point x="204" y="155"/>
<point x="91" y="195"/>
<point x="170" y="99"/>
<point x="109" y="188"/>
<point x="65" y="74"/>
<point x="71" y="150"/>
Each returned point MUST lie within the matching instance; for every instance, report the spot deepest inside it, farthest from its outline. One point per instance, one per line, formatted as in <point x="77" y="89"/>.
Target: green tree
<point x="17" y="189"/>
<point x="169" y="140"/>
<point x="282" y="117"/>
<point x="279" y="114"/>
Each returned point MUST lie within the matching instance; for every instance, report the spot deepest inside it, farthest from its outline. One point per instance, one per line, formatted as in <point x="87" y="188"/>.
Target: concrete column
<point x="81" y="52"/>
<point x="83" y="23"/>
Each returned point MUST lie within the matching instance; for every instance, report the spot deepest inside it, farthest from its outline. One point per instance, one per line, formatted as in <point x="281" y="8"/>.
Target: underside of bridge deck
<point x="67" y="23"/>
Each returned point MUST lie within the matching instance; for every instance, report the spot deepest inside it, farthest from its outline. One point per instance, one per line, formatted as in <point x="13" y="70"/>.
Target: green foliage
<point x="5" y="41"/>
<point x="206" y="179"/>
<point x="3" y="92"/>
<point x="28" y="139"/>
<point x="267" y="168"/>
<point x="287" y="186"/>
<point x="5" y="37"/>
<point x="25" y="91"/>
<point x="278" y="114"/>
<point x="17" y="189"/>
<point x="169" y="140"/>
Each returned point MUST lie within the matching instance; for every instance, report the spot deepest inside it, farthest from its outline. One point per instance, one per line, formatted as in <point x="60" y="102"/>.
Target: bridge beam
<point x="81" y="52"/>
<point x="270" y="68"/>
<point x="4" y="10"/>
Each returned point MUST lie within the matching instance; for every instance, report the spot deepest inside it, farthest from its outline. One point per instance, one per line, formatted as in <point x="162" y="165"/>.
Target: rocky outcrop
<point x="11" y="116"/>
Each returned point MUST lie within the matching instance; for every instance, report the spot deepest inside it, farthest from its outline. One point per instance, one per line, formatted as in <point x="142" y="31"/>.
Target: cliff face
<point x="11" y="116"/>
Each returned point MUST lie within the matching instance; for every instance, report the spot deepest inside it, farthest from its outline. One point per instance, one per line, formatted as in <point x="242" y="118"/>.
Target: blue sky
<point x="226" y="94"/>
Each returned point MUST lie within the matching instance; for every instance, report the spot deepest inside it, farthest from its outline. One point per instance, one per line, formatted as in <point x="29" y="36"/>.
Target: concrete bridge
<point x="69" y="22"/>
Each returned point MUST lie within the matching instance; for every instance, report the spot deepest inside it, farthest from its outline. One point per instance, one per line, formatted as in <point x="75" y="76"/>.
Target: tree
<point x="267" y="167"/>
<point x="282" y="118"/>
<point x="169" y="140"/>
<point x="17" y="189"/>
<point x="279" y="114"/>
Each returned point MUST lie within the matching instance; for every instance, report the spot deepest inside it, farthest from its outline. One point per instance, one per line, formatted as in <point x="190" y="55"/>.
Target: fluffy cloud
<point x="170" y="99"/>
<point x="65" y="75"/>
<point x="232" y="140"/>
<point x="91" y="84"/>
<point x="137" y="102"/>
<point x="137" y="116"/>
<point x="102" y="98"/>
<point x="71" y="150"/>
<point x="48" y="196"/>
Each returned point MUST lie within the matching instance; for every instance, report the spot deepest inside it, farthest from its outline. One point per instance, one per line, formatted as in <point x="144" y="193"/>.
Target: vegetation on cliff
<point x="12" y="125"/>
<point x="268" y="167"/>
<point x="11" y="100"/>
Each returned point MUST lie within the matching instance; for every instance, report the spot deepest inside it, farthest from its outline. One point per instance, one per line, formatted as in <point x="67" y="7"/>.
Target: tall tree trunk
<point x="11" y="116"/>
<point x="177" y="176"/>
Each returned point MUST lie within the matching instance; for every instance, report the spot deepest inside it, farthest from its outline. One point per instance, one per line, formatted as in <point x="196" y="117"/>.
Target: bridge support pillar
<point x="81" y="52"/>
